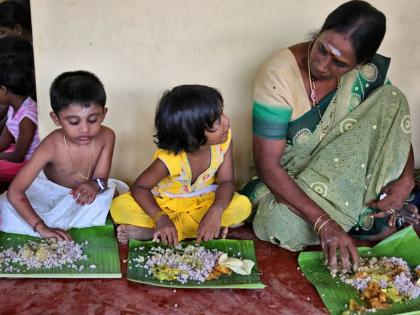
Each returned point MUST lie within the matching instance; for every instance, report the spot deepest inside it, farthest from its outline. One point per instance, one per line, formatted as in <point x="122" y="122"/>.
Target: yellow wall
<point x="139" y="48"/>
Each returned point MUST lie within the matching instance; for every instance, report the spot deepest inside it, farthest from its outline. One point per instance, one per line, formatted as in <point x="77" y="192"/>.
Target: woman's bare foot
<point x="126" y="232"/>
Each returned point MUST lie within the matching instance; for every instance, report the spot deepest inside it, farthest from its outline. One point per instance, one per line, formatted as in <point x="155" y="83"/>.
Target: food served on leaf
<point x="43" y="254"/>
<point x="381" y="282"/>
<point x="191" y="263"/>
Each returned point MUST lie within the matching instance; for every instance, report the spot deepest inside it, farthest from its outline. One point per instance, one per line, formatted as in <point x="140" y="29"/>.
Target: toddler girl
<point x="20" y="137"/>
<point x="188" y="190"/>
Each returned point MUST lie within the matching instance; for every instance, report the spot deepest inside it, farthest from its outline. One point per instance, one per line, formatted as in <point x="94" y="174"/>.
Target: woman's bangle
<point x="35" y="226"/>
<point x="322" y="225"/>
<point x="156" y="217"/>
<point x="319" y="218"/>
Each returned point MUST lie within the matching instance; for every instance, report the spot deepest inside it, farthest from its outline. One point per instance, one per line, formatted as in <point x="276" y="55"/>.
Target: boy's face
<point x="80" y="124"/>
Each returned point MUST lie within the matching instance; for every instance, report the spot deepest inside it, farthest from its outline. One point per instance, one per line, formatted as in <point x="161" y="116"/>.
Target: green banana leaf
<point x="101" y="250"/>
<point x="234" y="248"/>
<point x="336" y="295"/>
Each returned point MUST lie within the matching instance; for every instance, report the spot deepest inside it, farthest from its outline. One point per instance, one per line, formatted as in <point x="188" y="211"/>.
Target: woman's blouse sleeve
<point x="271" y="111"/>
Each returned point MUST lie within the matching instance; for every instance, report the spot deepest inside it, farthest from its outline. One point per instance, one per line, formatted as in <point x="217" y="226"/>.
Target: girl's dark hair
<point x="20" y="46"/>
<point x="13" y="13"/>
<point x="16" y="75"/>
<point x="364" y="24"/>
<point x="76" y="87"/>
<point x="184" y="114"/>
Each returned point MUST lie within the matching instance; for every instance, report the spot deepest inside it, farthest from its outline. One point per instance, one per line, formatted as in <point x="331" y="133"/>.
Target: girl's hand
<point x="85" y="193"/>
<point x="59" y="234"/>
<point x="166" y="231"/>
<point x="210" y="224"/>
<point x="333" y="237"/>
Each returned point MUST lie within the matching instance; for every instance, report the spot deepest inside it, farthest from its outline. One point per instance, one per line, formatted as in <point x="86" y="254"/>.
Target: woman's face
<point x="331" y="56"/>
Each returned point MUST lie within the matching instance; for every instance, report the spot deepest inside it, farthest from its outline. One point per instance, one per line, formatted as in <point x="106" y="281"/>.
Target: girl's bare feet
<point x="126" y="232"/>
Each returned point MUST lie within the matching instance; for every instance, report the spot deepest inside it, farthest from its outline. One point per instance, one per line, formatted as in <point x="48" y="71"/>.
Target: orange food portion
<point x="218" y="271"/>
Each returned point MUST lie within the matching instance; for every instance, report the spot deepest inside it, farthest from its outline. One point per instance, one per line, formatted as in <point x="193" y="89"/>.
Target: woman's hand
<point x="59" y="234"/>
<point x="85" y="193"/>
<point x="333" y="238"/>
<point x="210" y="224"/>
<point x="166" y="231"/>
<point x="395" y="194"/>
<point x="393" y="197"/>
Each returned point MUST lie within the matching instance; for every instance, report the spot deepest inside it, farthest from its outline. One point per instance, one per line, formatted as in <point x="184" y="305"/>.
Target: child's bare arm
<point x="26" y="134"/>
<point x="17" y="197"/>
<point x="6" y="138"/>
<point x="141" y="191"/>
<point x="210" y="224"/>
<point x="103" y="166"/>
<point x="86" y="192"/>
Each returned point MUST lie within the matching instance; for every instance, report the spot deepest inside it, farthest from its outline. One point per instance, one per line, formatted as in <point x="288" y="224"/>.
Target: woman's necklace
<point x="312" y="86"/>
<point x="314" y="98"/>
<point x="72" y="163"/>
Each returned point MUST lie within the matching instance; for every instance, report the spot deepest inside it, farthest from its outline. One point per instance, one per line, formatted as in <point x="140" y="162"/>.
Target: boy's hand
<point x="85" y="193"/>
<point x="210" y="224"/>
<point x="166" y="231"/>
<point x="59" y="234"/>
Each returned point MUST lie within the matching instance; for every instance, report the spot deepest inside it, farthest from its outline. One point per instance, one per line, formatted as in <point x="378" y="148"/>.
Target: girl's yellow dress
<point x="184" y="202"/>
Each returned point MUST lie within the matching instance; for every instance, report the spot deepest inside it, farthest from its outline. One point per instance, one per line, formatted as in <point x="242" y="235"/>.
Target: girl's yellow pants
<point x="186" y="213"/>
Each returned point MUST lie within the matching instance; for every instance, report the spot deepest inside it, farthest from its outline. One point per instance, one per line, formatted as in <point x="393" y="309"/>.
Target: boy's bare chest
<point x="72" y="167"/>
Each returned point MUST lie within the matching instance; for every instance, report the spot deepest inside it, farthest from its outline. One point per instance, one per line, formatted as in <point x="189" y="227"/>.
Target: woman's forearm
<point x="408" y="171"/>
<point x="286" y="191"/>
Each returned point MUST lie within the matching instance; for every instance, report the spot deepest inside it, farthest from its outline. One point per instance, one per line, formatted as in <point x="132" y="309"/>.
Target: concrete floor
<point x="287" y="292"/>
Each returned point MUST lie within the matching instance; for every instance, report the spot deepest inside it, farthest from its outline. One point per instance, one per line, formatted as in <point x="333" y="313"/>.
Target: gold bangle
<point x="319" y="218"/>
<point x="156" y="217"/>
<point x="322" y="225"/>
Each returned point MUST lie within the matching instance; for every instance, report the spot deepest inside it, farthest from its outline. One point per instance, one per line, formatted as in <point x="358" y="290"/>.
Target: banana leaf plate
<point x="336" y="295"/>
<point x="101" y="250"/>
<point x="234" y="248"/>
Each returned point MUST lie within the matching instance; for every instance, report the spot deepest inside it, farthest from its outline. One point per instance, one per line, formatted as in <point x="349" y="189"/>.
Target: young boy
<point x="64" y="184"/>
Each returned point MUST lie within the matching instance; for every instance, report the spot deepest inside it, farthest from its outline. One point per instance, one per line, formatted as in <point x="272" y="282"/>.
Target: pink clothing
<point x="28" y="110"/>
<point x="8" y="170"/>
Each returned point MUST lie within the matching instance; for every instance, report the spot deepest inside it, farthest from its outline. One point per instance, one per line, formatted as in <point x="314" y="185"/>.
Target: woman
<point x="342" y="133"/>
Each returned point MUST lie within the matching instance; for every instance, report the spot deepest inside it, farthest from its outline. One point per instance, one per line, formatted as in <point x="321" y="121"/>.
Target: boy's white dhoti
<point x="54" y="204"/>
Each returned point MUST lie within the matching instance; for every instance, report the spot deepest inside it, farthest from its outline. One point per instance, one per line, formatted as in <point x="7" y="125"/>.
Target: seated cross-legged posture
<point x="332" y="144"/>
<point x="188" y="190"/>
<point x="64" y="184"/>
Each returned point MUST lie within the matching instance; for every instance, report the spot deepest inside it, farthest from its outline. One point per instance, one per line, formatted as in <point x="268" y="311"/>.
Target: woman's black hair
<point x="16" y="75"/>
<point x="184" y="114"/>
<point x="364" y="24"/>
<point x="13" y="13"/>
<point x="76" y="87"/>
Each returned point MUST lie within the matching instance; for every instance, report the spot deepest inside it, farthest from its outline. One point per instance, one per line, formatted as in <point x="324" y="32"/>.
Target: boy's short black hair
<point x="184" y="114"/>
<point x="76" y="87"/>
<point x="16" y="75"/>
